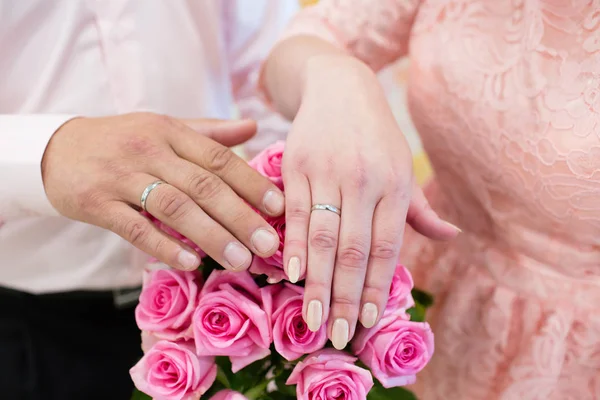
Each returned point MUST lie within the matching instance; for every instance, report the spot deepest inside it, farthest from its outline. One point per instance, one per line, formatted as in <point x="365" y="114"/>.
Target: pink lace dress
<point x="506" y="97"/>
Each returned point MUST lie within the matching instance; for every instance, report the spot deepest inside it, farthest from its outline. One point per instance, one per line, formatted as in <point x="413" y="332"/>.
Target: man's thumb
<point x="227" y="132"/>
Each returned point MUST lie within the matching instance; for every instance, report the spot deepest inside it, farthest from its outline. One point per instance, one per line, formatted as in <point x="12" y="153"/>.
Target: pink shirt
<point x="97" y="57"/>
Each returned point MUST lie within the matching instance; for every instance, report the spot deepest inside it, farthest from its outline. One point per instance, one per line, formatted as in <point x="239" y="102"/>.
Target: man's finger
<point x="248" y="183"/>
<point x="227" y="132"/>
<point x="139" y="231"/>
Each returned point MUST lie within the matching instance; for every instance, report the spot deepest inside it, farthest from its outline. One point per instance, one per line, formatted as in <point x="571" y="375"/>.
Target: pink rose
<point x="148" y="341"/>
<point x="268" y="163"/>
<point x="395" y="349"/>
<point x="167" y="302"/>
<point x="227" y="394"/>
<point x="272" y="266"/>
<point x="291" y="335"/>
<point x="173" y="371"/>
<point x="330" y="374"/>
<point x="230" y="319"/>
<point x="400" y="291"/>
<point x="172" y="232"/>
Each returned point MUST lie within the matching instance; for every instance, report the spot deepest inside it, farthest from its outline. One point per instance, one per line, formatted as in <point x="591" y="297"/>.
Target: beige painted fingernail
<point x="274" y="202"/>
<point x="293" y="269"/>
<point x="453" y="226"/>
<point x="264" y="241"/>
<point x="188" y="260"/>
<point x="369" y="315"/>
<point x="340" y="333"/>
<point x="237" y="255"/>
<point x="314" y="315"/>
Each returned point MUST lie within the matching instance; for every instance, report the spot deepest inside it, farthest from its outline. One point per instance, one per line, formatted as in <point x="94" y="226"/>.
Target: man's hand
<point x="95" y="170"/>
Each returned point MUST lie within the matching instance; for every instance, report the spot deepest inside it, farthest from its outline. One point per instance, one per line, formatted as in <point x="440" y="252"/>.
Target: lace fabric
<point x="506" y="97"/>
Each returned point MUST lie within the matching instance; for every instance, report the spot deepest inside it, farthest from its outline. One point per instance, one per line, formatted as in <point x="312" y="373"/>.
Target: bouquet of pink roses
<point x="241" y="335"/>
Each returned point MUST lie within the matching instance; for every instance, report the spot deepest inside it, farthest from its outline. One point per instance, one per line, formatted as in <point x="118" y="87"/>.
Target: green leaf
<point x="247" y="378"/>
<point x="380" y="393"/>
<point x="289" y="390"/>
<point x="214" y="389"/>
<point x="222" y="378"/>
<point x="422" y="297"/>
<point x="137" y="395"/>
<point x="278" y="396"/>
<point x="417" y="313"/>
<point x="257" y="391"/>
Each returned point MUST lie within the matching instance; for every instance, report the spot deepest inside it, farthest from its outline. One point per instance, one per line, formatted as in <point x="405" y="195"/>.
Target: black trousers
<point x="66" y="346"/>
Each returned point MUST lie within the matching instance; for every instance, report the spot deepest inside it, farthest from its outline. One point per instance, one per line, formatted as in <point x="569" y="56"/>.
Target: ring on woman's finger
<point x="326" y="207"/>
<point x="147" y="192"/>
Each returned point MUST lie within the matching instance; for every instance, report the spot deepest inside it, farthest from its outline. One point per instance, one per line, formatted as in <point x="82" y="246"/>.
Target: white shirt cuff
<point x="23" y="141"/>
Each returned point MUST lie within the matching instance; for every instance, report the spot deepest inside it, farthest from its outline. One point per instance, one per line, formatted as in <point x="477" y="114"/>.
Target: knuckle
<point x="400" y="183"/>
<point x="160" y="247"/>
<point x="140" y="145"/>
<point x="378" y="294"/>
<point x="359" y="182"/>
<point x="298" y="162"/>
<point x="295" y="243"/>
<point x="297" y="213"/>
<point x="317" y="288"/>
<point x="384" y="250"/>
<point x="241" y="218"/>
<point x="89" y="201"/>
<point x="172" y="205"/>
<point x="324" y="240"/>
<point x="117" y="170"/>
<point x="156" y="120"/>
<point x="345" y="300"/>
<point x="204" y="186"/>
<point x="218" y="158"/>
<point x="353" y="255"/>
<point x="136" y="232"/>
<point x="358" y="178"/>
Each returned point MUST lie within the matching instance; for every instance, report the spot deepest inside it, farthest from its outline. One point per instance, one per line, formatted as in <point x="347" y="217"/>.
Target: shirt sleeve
<point x="23" y="141"/>
<point x="252" y="29"/>
<point x="375" y="31"/>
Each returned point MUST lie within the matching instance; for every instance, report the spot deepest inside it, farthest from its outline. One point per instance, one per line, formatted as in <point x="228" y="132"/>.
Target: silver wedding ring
<point x="147" y="191"/>
<point x="327" y="207"/>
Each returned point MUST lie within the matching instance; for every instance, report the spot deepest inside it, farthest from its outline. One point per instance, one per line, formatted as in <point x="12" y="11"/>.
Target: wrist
<point x="51" y="142"/>
<point x="337" y="74"/>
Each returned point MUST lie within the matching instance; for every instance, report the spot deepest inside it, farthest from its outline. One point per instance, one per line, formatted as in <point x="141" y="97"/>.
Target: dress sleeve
<point x="375" y="31"/>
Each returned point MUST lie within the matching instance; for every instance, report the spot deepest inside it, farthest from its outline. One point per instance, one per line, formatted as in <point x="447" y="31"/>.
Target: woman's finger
<point x="221" y="203"/>
<point x="138" y="230"/>
<point x="350" y="267"/>
<point x="323" y="231"/>
<point x="297" y="218"/>
<point x="426" y="221"/>
<point x="388" y="229"/>
<point x="174" y="208"/>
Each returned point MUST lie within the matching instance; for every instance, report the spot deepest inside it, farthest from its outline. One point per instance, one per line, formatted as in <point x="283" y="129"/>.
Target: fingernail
<point x="369" y="315"/>
<point x="188" y="260"/>
<point x="274" y="202"/>
<point x="314" y="315"/>
<point x="453" y="226"/>
<point x="264" y="241"/>
<point x="340" y="333"/>
<point x="236" y="255"/>
<point x="293" y="269"/>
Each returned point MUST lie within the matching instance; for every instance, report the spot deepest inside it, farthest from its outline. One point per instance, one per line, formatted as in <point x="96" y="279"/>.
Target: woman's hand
<point x="345" y="149"/>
